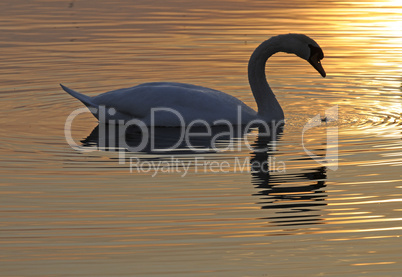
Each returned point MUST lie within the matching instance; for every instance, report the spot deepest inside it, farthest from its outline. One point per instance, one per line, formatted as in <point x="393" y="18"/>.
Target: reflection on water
<point x="270" y="210"/>
<point x="166" y="140"/>
<point x="297" y="194"/>
<point x="287" y="193"/>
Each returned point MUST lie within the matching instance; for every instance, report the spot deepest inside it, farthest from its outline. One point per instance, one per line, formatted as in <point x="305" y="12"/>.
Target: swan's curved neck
<point x="268" y="106"/>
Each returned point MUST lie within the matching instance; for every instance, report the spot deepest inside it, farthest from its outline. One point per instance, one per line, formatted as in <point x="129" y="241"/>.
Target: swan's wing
<point x="192" y="102"/>
<point x="86" y="100"/>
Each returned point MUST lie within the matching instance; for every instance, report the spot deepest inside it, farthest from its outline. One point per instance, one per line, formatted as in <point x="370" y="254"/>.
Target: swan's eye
<point x="316" y="51"/>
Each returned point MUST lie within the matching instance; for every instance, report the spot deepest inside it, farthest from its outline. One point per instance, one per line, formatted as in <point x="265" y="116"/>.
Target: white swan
<point x="163" y="103"/>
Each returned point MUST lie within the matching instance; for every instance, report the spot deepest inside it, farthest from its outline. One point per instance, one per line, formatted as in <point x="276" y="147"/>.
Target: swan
<point x="175" y="104"/>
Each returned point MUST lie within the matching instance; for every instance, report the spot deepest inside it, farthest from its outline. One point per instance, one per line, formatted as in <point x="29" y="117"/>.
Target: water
<point x="66" y="212"/>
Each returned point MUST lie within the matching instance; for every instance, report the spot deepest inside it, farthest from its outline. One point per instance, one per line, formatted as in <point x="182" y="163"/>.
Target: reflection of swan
<point x="163" y="141"/>
<point x="297" y="195"/>
<point x="200" y="103"/>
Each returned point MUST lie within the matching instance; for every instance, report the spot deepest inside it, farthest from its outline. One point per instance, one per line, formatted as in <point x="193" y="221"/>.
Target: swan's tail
<point x="83" y="98"/>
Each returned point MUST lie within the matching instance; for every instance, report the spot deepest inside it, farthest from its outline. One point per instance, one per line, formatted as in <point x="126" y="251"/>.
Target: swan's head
<point x="304" y="47"/>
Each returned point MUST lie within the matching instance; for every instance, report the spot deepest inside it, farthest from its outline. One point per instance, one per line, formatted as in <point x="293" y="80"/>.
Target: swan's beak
<point x="316" y="63"/>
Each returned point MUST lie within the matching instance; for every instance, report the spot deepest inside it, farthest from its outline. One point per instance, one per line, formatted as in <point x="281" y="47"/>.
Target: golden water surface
<point x="65" y="212"/>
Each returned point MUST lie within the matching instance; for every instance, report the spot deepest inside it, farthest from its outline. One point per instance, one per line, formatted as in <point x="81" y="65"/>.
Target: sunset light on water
<point x="318" y="196"/>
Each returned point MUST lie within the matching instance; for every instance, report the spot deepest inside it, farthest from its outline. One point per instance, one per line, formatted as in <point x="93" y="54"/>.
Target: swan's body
<point x="170" y="100"/>
<point x="175" y="104"/>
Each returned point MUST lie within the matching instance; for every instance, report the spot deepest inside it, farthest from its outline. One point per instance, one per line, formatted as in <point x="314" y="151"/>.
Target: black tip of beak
<point x="318" y="66"/>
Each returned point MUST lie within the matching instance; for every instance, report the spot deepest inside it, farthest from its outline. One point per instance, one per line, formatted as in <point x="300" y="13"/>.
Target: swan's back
<point x="190" y="101"/>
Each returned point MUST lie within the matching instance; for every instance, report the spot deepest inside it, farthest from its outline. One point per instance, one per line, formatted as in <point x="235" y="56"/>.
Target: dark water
<point x="67" y="212"/>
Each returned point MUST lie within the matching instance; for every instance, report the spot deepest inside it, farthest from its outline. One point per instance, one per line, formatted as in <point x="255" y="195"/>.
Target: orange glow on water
<point x="64" y="210"/>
